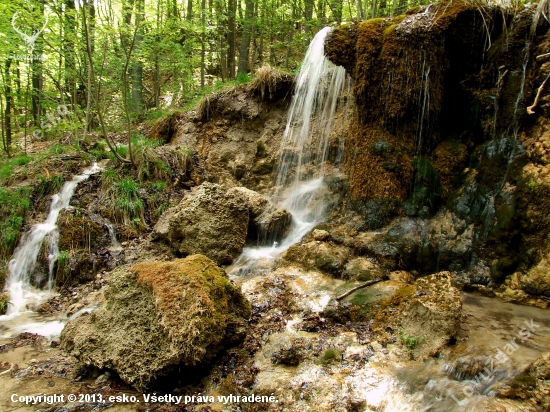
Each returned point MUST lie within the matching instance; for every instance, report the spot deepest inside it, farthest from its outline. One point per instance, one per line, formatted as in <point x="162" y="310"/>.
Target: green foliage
<point x="532" y="184"/>
<point x="48" y="186"/>
<point x="7" y="167"/>
<point x="409" y="341"/>
<point x="127" y="202"/>
<point x="158" y="186"/>
<point x="243" y="78"/>
<point x="13" y="205"/>
<point x="108" y="177"/>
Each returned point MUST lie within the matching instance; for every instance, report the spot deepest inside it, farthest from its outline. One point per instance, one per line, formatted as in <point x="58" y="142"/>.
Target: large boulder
<point x="422" y="317"/>
<point x="323" y="256"/>
<point x="216" y="221"/>
<point x="211" y="220"/>
<point x="267" y="222"/>
<point x="159" y="316"/>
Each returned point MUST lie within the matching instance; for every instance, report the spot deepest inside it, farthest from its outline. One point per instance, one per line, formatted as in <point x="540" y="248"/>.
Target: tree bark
<point x="245" y="41"/>
<point x="137" y="65"/>
<point x="7" y="112"/>
<point x="231" y="36"/>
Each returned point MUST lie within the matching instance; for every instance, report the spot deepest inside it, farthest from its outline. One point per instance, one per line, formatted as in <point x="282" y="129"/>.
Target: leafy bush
<point x="13" y="205"/>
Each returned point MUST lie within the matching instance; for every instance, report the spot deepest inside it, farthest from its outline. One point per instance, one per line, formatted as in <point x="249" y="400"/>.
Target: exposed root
<point x="530" y="109"/>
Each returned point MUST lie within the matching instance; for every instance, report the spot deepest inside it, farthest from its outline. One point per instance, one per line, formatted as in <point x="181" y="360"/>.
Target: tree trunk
<point x="189" y="16"/>
<point x="7" y="112"/>
<point x="245" y="41"/>
<point x="308" y="15"/>
<point x="203" y="40"/>
<point x="231" y="36"/>
<point x="137" y="65"/>
<point x="360" y="15"/>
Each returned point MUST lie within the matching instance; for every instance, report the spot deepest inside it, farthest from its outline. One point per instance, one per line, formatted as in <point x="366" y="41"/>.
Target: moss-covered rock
<point x="323" y="256"/>
<point x="423" y="317"/>
<point x="211" y="220"/>
<point x="159" y="316"/>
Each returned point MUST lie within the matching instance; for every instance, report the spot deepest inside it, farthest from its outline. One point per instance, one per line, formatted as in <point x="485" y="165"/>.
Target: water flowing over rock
<point x="159" y="316"/>
<point x="216" y="221"/>
<point x="532" y="385"/>
<point x="18" y="283"/>
<point x="308" y="145"/>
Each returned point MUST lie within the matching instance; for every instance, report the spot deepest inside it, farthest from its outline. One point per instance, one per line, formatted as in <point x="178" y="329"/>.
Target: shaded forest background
<point x="79" y="66"/>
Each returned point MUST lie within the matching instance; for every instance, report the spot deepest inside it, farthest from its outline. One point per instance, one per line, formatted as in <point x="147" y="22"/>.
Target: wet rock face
<point x="159" y="316"/>
<point x="268" y="224"/>
<point x="217" y="221"/>
<point x="83" y="243"/>
<point x="423" y="317"/>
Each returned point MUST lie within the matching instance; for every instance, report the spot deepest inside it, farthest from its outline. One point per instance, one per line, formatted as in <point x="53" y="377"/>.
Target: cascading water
<point x="305" y="147"/>
<point x="18" y="283"/>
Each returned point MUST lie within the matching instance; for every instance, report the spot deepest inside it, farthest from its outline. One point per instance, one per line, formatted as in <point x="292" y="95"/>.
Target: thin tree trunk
<point x="231" y="37"/>
<point x="137" y="65"/>
<point x="7" y="112"/>
<point x="203" y="40"/>
<point x="245" y="41"/>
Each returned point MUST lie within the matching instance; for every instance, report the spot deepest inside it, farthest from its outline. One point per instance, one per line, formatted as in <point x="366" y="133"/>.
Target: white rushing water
<point x="305" y="148"/>
<point x="23" y="262"/>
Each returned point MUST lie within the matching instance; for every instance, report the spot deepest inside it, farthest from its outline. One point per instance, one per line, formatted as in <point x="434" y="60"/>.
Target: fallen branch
<point x="364" y="285"/>
<point x="542" y="56"/>
<point x="539" y="91"/>
<point x="7" y="372"/>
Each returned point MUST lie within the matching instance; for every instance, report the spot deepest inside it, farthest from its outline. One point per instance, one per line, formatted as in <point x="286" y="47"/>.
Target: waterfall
<point x="23" y="262"/>
<point x="304" y="151"/>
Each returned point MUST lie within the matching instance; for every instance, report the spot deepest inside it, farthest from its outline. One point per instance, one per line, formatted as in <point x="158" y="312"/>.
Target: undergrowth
<point x="127" y="202"/>
<point x="13" y="205"/>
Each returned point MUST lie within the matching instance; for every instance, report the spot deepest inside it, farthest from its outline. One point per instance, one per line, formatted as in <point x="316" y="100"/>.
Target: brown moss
<point x="450" y="160"/>
<point x="195" y="297"/>
<point x="372" y="175"/>
<point x="77" y="231"/>
<point x="340" y="46"/>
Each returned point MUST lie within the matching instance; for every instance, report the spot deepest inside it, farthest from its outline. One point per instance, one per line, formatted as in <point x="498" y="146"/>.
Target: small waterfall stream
<point x="305" y="148"/>
<point x="20" y="268"/>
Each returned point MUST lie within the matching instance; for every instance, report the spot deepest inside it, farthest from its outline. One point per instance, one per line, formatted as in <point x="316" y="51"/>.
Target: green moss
<point x="389" y="30"/>
<point x="399" y="19"/>
<point x="4" y="301"/>
<point x="412" y="10"/>
<point x="330" y="355"/>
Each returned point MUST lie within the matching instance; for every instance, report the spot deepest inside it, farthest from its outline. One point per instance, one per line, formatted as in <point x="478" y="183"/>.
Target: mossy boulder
<point x="159" y="316"/>
<point x="217" y="221"/>
<point x="363" y="270"/>
<point x="422" y="317"/>
<point x="322" y="256"/>
<point x="211" y="220"/>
